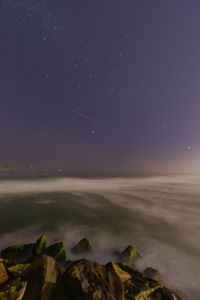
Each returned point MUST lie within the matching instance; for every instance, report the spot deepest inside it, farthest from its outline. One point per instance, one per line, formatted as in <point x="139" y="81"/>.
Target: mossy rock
<point x="114" y="268"/>
<point x="57" y="251"/>
<point x="128" y="254"/>
<point x="17" y="253"/>
<point x="40" y="245"/>
<point x="83" y="246"/>
<point x="123" y="264"/>
<point x="12" y="253"/>
<point x="152" y="273"/>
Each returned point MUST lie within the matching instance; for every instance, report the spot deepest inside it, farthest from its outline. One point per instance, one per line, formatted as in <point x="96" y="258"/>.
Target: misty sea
<point x="159" y="215"/>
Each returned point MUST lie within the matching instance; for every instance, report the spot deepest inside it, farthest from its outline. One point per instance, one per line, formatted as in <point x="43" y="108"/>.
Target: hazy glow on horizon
<point x="70" y="184"/>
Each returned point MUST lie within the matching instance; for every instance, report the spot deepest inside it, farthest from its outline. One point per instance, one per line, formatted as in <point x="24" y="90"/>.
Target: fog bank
<point x="158" y="215"/>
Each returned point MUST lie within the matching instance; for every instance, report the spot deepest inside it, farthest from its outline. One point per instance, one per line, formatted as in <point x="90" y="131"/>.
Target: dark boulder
<point x="152" y="273"/>
<point x="42" y="277"/>
<point x="128" y="255"/>
<point x="17" y="253"/>
<point x="83" y="246"/>
<point x="91" y="281"/>
<point x="12" y="253"/>
<point x="57" y="251"/>
<point x="22" y="252"/>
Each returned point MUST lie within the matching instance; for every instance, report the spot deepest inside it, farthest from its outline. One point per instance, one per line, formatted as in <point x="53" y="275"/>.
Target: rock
<point x="91" y="281"/>
<point x="164" y="294"/>
<point x="67" y="263"/>
<point x="40" y="245"/>
<point x="17" y="270"/>
<point x="17" y="253"/>
<point x="41" y="276"/>
<point x="152" y="273"/>
<point x="20" y="253"/>
<point x="3" y="272"/>
<point x="116" y="253"/>
<point x="140" y="288"/>
<point x="13" y="291"/>
<point x="112" y="267"/>
<point x="26" y="252"/>
<point x="53" y="278"/>
<point x="83" y="246"/>
<point x="12" y="253"/>
<point x="128" y="254"/>
<point x="57" y="251"/>
<point x="30" y="259"/>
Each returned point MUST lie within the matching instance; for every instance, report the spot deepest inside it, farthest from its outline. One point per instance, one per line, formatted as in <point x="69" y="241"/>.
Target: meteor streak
<point x="77" y="113"/>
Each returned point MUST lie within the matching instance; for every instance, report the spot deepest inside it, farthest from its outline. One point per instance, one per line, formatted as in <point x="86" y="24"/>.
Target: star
<point x="189" y="147"/>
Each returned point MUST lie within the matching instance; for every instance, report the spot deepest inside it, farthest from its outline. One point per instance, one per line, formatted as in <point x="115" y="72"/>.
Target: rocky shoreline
<point x="36" y="272"/>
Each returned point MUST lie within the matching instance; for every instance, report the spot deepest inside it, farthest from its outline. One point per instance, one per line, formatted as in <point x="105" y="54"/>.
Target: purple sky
<point x="100" y="85"/>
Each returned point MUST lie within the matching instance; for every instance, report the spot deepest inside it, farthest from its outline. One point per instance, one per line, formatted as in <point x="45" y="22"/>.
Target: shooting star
<point x="77" y="113"/>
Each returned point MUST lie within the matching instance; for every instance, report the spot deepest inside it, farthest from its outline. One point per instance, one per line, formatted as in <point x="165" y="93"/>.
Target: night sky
<point x="100" y="85"/>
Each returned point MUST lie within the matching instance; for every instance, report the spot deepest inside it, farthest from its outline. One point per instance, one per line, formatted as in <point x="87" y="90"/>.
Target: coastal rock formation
<point x="50" y="277"/>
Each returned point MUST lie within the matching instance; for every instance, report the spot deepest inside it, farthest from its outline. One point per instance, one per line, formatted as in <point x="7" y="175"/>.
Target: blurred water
<point x="159" y="215"/>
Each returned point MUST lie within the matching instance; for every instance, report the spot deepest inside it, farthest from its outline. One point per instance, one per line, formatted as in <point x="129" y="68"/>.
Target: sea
<point x="158" y="215"/>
